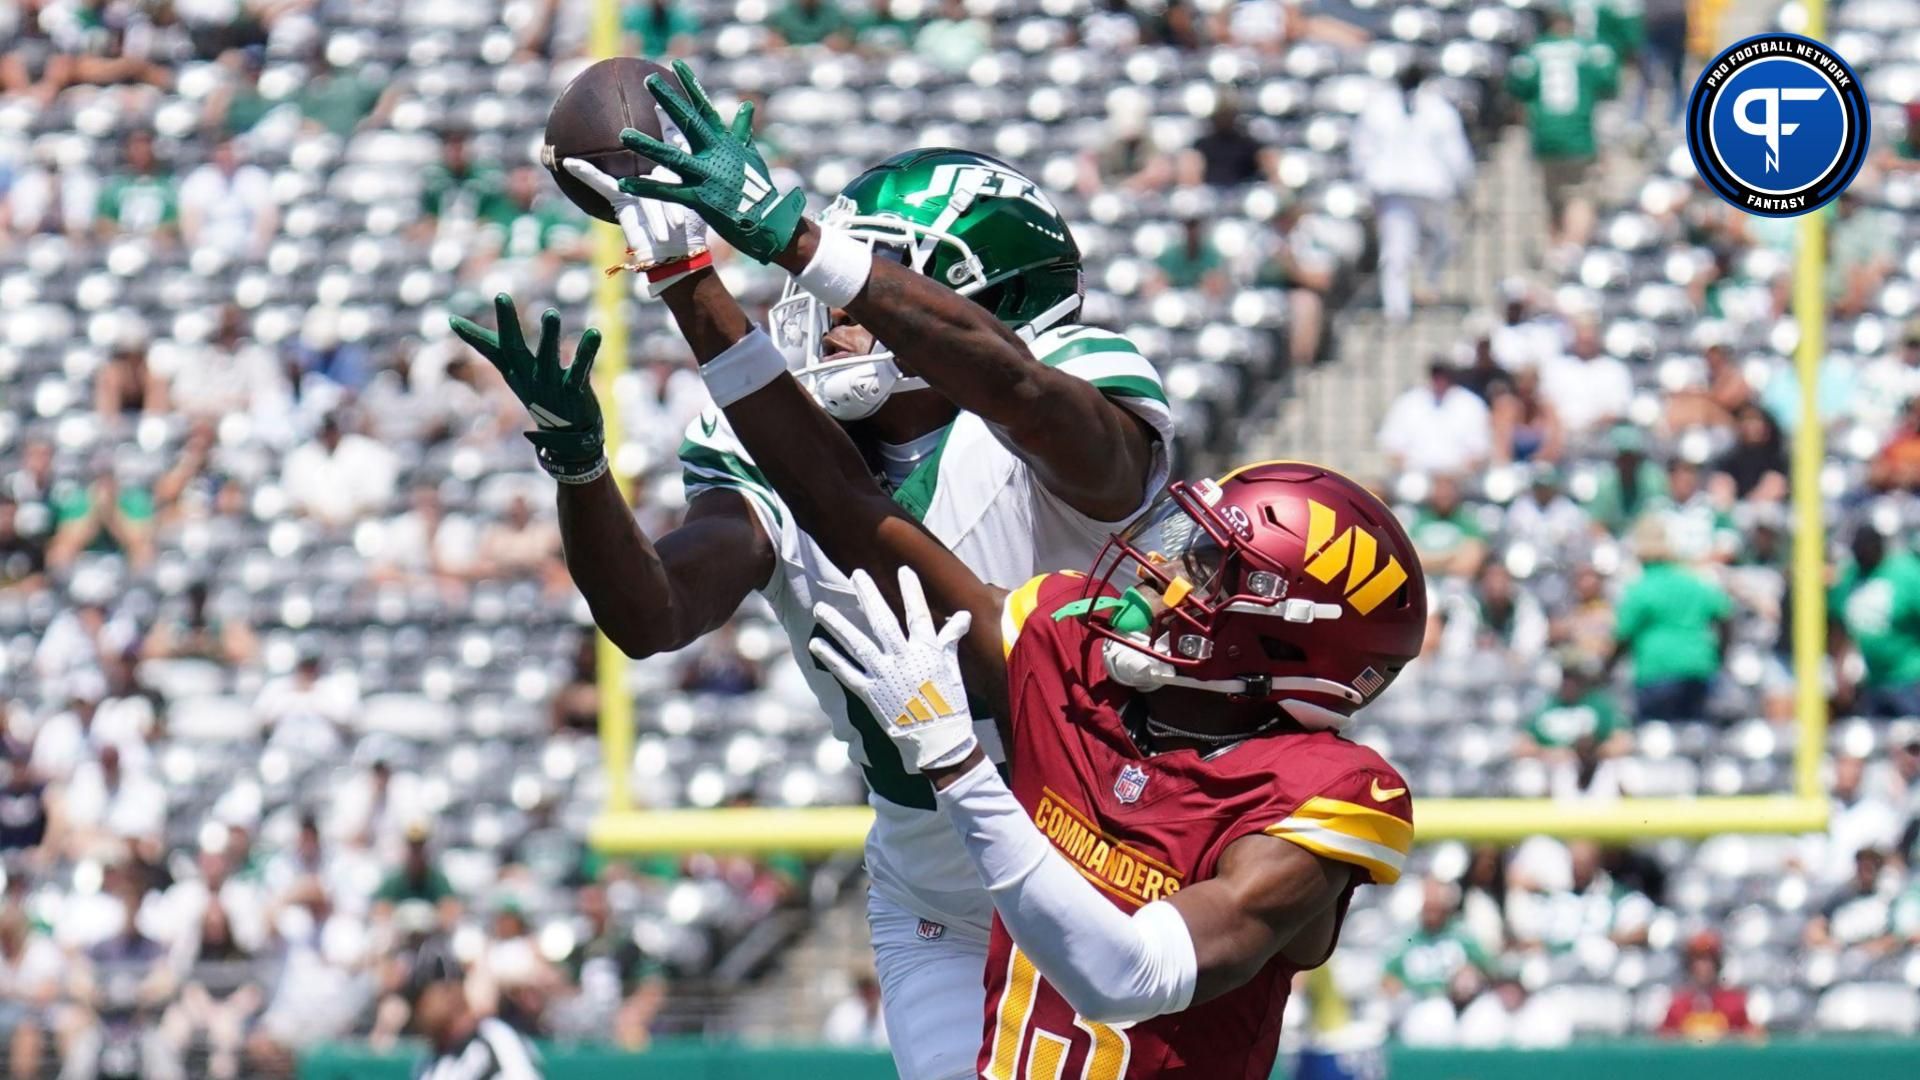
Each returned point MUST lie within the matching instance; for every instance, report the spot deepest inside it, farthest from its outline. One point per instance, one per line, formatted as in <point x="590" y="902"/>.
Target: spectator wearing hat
<point x="1634" y="483"/>
<point x="1441" y="427"/>
<point x="1675" y="624"/>
<point x="418" y="877"/>
<point x="1580" y="711"/>
<point x="1875" y="608"/>
<point x="1858" y="914"/>
<point x="1704" y="1008"/>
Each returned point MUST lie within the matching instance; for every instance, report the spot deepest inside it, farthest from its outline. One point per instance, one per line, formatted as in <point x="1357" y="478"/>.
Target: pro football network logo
<point x="1778" y="125"/>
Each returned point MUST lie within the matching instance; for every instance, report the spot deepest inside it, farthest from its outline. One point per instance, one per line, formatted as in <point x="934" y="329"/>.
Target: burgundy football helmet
<point x="1281" y="581"/>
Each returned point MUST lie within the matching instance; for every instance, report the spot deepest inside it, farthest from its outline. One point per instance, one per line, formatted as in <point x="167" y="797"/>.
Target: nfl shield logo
<point x="1132" y="782"/>
<point x="931" y="931"/>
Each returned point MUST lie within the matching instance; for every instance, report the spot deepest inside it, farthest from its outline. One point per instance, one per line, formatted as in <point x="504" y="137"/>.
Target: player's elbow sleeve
<point x="1154" y="976"/>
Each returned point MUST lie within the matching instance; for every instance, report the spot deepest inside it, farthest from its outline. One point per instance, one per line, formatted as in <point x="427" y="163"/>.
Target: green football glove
<point x="569" y="435"/>
<point x="722" y="176"/>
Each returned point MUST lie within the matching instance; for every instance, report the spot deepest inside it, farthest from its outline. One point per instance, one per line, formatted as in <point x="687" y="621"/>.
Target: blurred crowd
<point x="299" y="705"/>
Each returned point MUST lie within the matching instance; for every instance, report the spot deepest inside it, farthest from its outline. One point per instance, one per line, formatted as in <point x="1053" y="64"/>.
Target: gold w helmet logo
<point x="1354" y="551"/>
<point x="927" y="705"/>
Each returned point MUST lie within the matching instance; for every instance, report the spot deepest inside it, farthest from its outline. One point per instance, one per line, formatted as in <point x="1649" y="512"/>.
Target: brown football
<point x="585" y="123"/>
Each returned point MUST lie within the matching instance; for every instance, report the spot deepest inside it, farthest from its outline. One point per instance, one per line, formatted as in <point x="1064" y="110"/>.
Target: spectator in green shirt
<point x="416" y="878"/>
<point x="1580" y="712"/>
<point x="881" y="29"/>
<point x="143" y="199"/>
<point x="1631" y="487"/>
<point x="1560" y="79"/>
<point x="812" y="22"/>
<point x="340" y="101"/>
<point x="104" y="517"/>
<point x="955" y="39"/>
<point x="659" y="28"/>
<point x="1192" y="262"/>
<point x="460" y="187"/>
<point x="1675" y="624"/>
<point x="1449" y="539"/>
<point x="1875" y="607"/>
<point x="1437" y="950"/>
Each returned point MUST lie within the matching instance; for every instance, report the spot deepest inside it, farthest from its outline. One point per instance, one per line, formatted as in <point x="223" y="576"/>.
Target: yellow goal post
<point x="622" y="829"/>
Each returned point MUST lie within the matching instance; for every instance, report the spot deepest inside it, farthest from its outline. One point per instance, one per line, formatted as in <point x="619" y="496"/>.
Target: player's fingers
<point x="848" y="636"/>
<point x="593" y="176"/>
<point x="880" y="617"/>
<point x="680" y="111"/>
<point x="839" y="665"/>
<point x="660" y="153"/>
<point x="484" y="341"/>
<point x="697" y="94"/>
<point x="957" y="626"/>
<point x="644" y="188"/>
<point x="913" y="604"/>
<point x="512" y="342"/>
<point x="549" y="354"/>
<point x="670" y="132"/>
<point x="580" y="372"/>
<point x="658" y="227"/>
<point x="742" y="127"/>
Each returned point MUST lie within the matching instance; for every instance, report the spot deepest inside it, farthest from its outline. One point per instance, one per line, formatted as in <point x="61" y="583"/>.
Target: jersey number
<point x="1107" y="1053"/>
<point x="1560" y="83"/>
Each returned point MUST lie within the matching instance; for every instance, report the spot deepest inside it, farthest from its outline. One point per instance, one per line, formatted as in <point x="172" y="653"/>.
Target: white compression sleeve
<point x="1111" y="967"/>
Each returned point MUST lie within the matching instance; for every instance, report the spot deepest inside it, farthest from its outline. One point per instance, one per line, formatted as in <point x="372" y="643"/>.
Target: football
<point x="585" y="123"/>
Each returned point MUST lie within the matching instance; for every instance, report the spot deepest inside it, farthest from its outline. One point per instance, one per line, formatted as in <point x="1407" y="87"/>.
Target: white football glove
<point x="656" y="232"/>
<point x="909" y="680"/>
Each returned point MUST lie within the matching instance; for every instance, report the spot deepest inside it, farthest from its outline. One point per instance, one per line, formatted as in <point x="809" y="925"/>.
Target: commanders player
<point x="1031" y="439"/>
<point x="1185" y="826"/>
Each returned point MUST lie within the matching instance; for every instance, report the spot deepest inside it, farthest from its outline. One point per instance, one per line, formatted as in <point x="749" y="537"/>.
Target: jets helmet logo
<point x="976" y="181"/>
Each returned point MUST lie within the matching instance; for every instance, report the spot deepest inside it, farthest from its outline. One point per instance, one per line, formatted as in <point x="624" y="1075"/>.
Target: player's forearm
<point x="1111" y="967"/>
<point x="619" y="571"/>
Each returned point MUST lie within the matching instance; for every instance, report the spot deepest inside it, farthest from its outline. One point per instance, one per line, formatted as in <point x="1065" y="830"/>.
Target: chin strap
<point x="1141" y="670"/>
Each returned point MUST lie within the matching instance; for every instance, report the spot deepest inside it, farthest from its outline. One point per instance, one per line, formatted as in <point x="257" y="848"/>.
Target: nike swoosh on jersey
<point x="1381" y="794"/>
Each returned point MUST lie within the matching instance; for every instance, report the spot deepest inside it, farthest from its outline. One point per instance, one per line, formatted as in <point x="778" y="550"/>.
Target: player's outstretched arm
<point x="1089" y="451"/>
<point x="1086" y="448"/>
<point x="809" y="460"/>
<point x="648" y="597"/>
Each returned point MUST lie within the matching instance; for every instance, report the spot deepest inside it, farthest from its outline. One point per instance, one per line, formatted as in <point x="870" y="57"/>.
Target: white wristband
<point x="747" y="366"/>
<point x="838" y="270"/>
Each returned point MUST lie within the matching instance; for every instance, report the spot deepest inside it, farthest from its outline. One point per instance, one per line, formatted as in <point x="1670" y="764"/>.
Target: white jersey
<point x="978" y="495"/>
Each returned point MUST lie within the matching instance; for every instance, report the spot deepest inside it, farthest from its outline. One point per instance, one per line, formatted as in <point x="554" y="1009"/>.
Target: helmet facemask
<point x="1200" y="608"/>
<point x="854" y="387"/>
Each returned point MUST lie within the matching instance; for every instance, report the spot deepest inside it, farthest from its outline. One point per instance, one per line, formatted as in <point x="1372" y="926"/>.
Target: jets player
<point x="932" y="315"/>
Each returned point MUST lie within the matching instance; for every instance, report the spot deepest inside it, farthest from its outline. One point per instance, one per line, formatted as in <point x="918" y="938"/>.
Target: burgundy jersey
<point x="1142" y="827"/>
